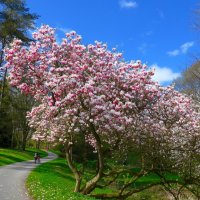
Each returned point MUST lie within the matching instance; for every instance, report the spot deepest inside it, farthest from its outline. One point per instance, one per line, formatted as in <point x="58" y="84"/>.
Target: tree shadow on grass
<point x="7" y="159"/>
<point x="57" y="169"/>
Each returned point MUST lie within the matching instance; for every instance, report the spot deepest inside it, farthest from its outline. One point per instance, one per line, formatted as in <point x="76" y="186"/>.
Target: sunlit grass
<point x="53" y="181"/>
<point x="9" y="156"/>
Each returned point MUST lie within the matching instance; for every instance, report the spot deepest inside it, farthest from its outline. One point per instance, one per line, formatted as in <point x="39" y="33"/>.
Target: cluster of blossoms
<point x="90" y="90"/>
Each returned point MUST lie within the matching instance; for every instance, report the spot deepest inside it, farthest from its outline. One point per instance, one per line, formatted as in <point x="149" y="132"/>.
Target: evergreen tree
<point x="15" y="22"/>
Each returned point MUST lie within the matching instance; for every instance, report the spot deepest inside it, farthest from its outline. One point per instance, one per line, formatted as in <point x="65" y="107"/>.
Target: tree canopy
<point x="15" y="22"/>
<point x="189" y="82"/>
<point x="89" y="92"/>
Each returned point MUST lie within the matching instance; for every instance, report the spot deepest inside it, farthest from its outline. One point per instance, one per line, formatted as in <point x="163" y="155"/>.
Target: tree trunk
<point x="24" y="140"/>
<point x="73" y="168"/>
<point x="13" y="135"/>
<point x="5" y="73"/>
<point x="91" y="184"/>
<point x="3" y="85"/>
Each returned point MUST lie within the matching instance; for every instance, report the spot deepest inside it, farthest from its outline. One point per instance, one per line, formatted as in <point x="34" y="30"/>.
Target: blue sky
<point x="161" y="33"/>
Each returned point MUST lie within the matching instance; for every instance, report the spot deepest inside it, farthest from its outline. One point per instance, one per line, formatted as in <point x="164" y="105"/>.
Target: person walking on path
<point x="37" y="157"/>
<point x="13" y="177"/>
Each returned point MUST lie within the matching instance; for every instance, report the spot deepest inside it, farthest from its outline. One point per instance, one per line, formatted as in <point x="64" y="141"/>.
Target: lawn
<point x="54" y="181"/>
<point x="8" y="156"/>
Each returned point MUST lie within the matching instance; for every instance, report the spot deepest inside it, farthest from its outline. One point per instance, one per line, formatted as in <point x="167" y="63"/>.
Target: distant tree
<point x="6" y="127"/>
<point x="189" y="82"/>
<point x="14" y="129"/>
<point x="15" y="21"/>
<point x="21" y="104"/>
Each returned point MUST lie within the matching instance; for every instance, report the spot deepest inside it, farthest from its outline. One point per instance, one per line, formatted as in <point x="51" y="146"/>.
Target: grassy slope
<point x="8" y="156"/>
<point x="53" y="181"/>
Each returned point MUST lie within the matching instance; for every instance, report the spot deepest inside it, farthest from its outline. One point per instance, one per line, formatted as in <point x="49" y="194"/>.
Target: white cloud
<point x="164" y="74"/>
<point x="127" y="4"/>
<point x="63" y="29"/>
<point x="183" y="49"/>
<point x="175" y="52"/>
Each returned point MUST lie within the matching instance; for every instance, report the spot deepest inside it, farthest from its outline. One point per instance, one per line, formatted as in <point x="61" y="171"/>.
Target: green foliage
<point x="15" y="20"/>
<point x="59" y="153"/>
<point x="53" y="181"/>
<point x="8" y="156"/>
<point x="14" y="129"/>
<point x="21" y="104"/>
<point x="6" y="126"/>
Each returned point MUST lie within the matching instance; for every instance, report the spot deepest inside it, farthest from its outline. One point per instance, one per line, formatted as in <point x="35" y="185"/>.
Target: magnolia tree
<point x="89" y="92"/>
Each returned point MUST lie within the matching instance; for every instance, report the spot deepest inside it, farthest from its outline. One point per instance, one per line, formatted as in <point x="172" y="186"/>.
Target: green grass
<point x="53" y="181"/>
<point x="9" y="156"/>
<point x="59" y="153"/>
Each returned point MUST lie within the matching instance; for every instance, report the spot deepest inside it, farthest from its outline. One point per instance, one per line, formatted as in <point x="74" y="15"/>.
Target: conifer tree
<point x="15" y="22"/>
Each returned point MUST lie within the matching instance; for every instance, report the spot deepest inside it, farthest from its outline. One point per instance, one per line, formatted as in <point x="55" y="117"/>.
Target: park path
<point x="13" y="176"/>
